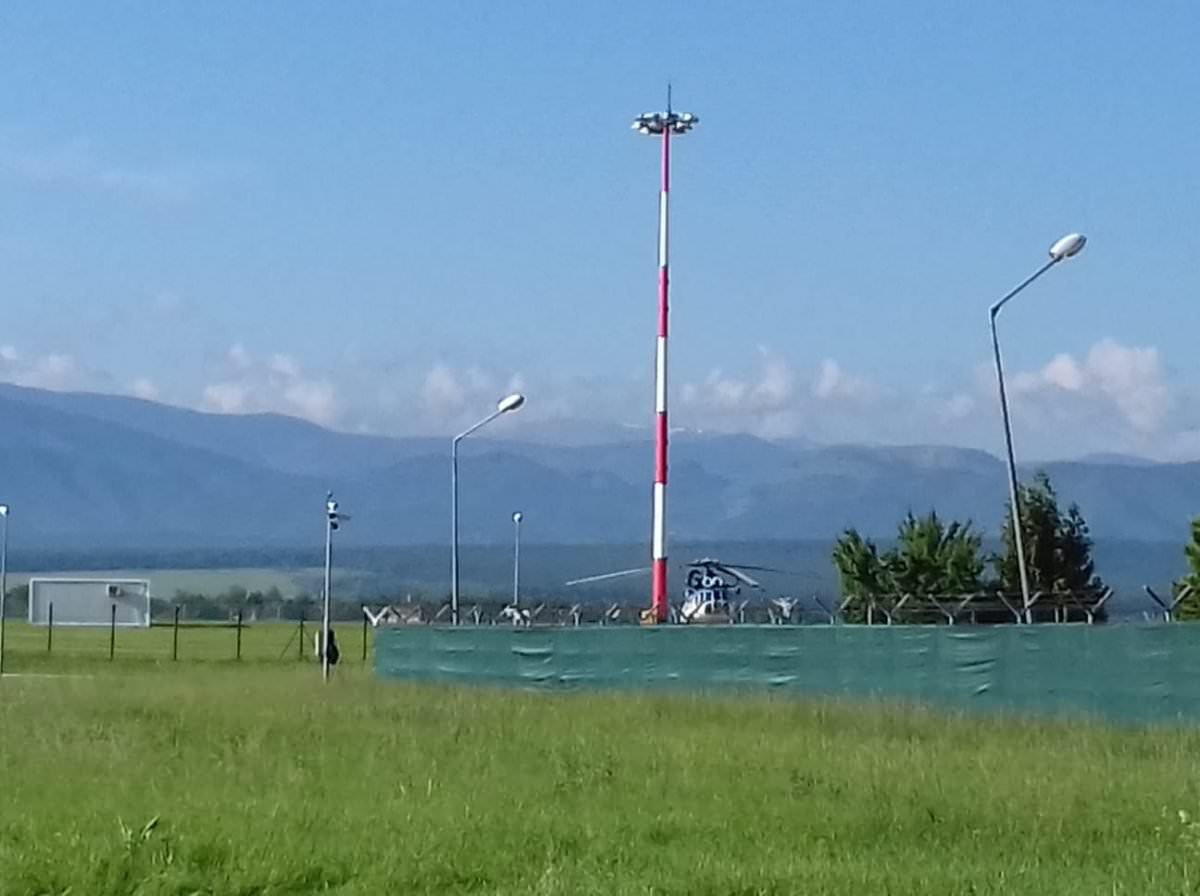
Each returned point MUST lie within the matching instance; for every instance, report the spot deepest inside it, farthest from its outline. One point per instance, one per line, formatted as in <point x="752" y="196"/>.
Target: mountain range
<point x="83" y="469"/>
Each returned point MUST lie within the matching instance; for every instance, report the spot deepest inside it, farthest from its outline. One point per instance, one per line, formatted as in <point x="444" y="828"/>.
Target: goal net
<point x="89" y="602"/>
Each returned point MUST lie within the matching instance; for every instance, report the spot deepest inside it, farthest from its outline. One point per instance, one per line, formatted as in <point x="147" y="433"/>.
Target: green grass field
<point x="213" y="778"/>
<point x="34" y="648"/>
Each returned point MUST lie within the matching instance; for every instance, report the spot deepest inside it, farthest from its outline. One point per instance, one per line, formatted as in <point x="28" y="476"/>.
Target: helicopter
<point x="710" y="589"/>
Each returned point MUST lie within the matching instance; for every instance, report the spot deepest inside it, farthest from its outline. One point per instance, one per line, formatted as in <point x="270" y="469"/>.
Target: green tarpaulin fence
<point x="1121" y="672"/>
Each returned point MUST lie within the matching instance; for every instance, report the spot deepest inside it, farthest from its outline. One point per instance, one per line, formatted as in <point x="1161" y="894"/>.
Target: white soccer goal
<point x="89" y="602"/>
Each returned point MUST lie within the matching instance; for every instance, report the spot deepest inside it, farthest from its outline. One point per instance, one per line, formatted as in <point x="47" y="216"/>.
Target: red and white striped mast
<point x="662" y="124"/>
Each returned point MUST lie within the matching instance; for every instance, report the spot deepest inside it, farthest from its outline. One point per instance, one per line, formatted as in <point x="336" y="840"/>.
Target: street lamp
<point x="506" y="405"/>
<point x="517" y="517"/>
<point x="333" y="518"/>
<point x="1067" y="247"/>
<point x="3" y="576"/>
<point x="662" y="124"/>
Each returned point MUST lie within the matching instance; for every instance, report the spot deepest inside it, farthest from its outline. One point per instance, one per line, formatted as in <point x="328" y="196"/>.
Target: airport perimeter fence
<point x="1130" y="673"/>
<point x="242" y="637"/>
<point x="245" y="637"/>
<point x="981" y="608"/>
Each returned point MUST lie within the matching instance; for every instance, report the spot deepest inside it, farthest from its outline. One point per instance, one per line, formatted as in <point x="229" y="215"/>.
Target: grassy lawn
<point x="34" y="648"/>
<point x="264" y="782"/>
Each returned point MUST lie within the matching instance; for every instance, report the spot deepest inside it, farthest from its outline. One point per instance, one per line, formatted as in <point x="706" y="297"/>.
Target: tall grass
<point x="220" y="780"/>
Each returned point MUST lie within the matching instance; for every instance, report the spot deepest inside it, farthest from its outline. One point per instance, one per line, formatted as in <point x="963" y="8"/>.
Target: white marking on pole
<point x="660" y="511"/>
<point x="660" y="398"/>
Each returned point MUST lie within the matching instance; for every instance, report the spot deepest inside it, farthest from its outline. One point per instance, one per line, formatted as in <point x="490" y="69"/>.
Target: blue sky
<point x="381" y="215"/>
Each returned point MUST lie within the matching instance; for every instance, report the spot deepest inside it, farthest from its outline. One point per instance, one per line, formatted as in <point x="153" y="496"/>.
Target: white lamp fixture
<point x="1068" y="247"/>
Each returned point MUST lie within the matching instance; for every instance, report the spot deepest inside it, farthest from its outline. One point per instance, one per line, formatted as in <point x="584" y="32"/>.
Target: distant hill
<point x="101" y="470"/>
<point x="273" y="441"/>
<point x="1114" y="459"/>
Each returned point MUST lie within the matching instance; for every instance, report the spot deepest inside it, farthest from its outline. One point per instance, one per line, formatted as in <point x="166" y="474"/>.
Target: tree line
<point x="936" y="558"/>
<point x="254" y="605"/>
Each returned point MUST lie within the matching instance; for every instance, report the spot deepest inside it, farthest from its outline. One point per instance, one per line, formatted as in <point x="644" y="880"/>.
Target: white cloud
<point x="771" y="389"/>
<point x="277" y="385"/>
<point x="448" y="397"/>
<point x="225" y="398"/>
<point x="479" y="380"/>
<point x="833" y="382"/>
<point x="1129" y="379"/>
<point x="143" y="388"/>
<point x="1112" y="397"/>
<point x="284" y="365"/>
<point x="239" y="356"/>
<point x="960" y="405"/>
<point x="721" y="393"/>
<point x="313" y="400"/>
<point x="770" y="403"/>
<point x="1065" y="373"/>
<point x="775" y="384"/>
<point x="442" y="391"/>
<point x="1132" y="378"/>
<point x="57" y="372"/>
<point x="56" y="365"/>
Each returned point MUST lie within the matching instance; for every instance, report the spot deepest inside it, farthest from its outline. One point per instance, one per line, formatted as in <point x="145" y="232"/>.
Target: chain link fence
<point x="243" y="637"/>
<point x="240" y="638"/>
<point x="982" y="608"/>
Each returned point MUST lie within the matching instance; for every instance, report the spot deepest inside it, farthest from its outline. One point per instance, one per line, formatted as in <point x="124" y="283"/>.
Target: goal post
<point x="89" y="602"/>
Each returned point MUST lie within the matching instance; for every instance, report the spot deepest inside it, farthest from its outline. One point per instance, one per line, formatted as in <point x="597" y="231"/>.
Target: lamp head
<point x="1068" y="247"/>
<point x="510" y="403"/>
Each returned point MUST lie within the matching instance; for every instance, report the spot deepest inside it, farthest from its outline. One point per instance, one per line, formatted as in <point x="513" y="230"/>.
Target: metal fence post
<point x="364" y="656"/>
<point x="239" y="635"/>
<point x="175" y="636"/>
<point x="1168" y="608"/>
<point x="50" y="627"/>
<point x="112" y="634"/>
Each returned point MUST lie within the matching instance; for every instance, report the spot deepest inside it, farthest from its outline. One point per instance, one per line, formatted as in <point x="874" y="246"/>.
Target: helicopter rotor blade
<point x="607" y="575"/>
<point x="783" y="572"/>
<point x="708" y="563"/>
<point x="737" y="574"/>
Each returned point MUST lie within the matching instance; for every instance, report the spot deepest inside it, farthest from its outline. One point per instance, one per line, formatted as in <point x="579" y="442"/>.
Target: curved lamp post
<point x="1067" y="247"/>
<point x="506" y="405"/>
